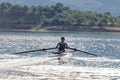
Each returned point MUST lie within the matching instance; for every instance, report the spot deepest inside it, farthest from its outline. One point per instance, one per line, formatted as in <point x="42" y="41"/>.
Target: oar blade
<point x="82" y="51"/>
<point x="87" y="53"/>
<point x="34" y="50"/>
<point x="28" y="51"/>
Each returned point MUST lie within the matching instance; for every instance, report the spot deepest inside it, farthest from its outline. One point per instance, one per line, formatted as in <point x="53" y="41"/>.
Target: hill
<point x="101" y="6"/>
<point x="55" y="17"/>
<point x="30" y="2"/>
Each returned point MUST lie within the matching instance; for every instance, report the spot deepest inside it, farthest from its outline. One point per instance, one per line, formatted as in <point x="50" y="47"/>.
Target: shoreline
<point x="57" y="29"/>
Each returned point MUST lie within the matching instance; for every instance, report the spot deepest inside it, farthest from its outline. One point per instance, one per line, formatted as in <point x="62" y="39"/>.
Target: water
<point x="41" y="66"/>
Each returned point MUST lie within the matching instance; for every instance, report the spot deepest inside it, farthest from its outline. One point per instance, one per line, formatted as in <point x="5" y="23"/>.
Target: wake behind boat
<point x="62" y="58"/>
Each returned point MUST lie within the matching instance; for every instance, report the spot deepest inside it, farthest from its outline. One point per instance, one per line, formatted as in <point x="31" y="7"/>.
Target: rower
<point x="62" y="45"/>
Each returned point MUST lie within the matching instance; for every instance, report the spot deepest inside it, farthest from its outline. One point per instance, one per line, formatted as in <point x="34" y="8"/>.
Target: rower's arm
<point x="57" y="46"/>
<point x="66" y="46"/>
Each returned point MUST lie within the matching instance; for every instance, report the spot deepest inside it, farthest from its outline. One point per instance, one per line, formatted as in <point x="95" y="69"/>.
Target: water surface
<point x="22" y="66"/>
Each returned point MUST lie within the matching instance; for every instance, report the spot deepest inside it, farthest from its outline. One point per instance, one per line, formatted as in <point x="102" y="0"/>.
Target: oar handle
<point x="72" y="48"/>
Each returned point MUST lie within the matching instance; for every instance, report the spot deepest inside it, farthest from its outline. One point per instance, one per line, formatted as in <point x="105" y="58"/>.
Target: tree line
<point x="54" y="15"/>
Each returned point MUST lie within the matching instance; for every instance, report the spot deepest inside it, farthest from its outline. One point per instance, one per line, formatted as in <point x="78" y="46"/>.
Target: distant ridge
<point x="101" y="6"/>
<point x="30" y="2"/>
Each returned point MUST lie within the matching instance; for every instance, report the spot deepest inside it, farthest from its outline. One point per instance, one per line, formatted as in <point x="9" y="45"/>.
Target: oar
<point x="34" y="50"/>
<point x="82" y="51"/>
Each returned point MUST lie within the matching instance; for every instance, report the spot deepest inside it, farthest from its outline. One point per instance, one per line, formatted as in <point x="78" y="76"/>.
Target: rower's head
<point x="62" y="39"/>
